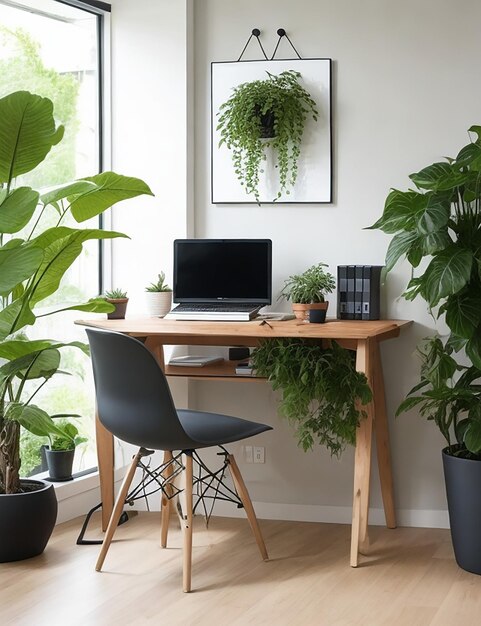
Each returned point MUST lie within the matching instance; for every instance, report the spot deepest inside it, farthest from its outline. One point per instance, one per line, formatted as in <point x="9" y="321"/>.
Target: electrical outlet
<point x="259" y="454"/>
<point x="248" y="454"/>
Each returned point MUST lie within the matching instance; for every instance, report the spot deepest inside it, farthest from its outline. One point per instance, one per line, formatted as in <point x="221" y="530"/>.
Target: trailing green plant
<point x="33" y="264"/>
<point x="310" y="286"/>
<point x="159" y="286"/>
<point x="440" y="221"/>
<point x="450" y="395"/>
<point x="320" y="389"/>
<point x="115" y="294"/>
<point x="241" y="124"/>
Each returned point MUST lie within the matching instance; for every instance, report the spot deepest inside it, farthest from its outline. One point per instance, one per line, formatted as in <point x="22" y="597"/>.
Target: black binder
<point x="358" y="292"/>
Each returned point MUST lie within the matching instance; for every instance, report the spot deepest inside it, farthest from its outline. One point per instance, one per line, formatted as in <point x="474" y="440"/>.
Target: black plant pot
<point x="60" y="464"/>
<point x="267" y="123"/>
<point x="463" y="488"/>
<point x="26" y="521"/>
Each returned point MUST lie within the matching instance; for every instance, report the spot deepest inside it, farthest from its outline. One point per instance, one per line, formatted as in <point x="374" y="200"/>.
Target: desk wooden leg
<point x="362" y="462"/>
<point x="382" y="441"/>
<point x="105" y="461"/>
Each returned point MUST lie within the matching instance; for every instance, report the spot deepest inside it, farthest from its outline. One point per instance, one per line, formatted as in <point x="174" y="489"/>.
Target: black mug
<point x="317" y="316"/>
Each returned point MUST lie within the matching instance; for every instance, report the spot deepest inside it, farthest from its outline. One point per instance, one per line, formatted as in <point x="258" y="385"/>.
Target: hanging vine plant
<point x="320" y="390"/>
<point x="262" y="114"/>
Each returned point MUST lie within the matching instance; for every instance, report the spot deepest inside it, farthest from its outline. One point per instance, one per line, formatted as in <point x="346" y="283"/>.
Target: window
<point x="53" y="49"/>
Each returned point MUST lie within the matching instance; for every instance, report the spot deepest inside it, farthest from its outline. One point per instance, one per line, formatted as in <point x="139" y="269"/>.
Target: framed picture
<point x="314" y="177"/>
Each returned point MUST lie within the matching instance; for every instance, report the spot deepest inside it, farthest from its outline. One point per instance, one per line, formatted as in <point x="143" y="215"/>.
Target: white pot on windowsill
<point x="159" y="303"/>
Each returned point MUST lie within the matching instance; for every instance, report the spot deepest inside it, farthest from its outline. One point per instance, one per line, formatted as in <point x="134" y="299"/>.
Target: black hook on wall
<point x="255" y="33"/>
<point x="282" y="33"/>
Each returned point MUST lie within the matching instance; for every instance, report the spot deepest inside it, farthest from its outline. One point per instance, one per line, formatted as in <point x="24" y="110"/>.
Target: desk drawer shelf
<point x="224" y="370"/>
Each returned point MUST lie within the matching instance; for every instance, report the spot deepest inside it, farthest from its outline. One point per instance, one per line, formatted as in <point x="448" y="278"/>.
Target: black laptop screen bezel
<point x="254" y="301"/>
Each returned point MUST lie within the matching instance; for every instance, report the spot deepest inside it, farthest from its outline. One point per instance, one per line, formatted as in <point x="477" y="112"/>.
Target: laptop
<point x="221" y="279"/>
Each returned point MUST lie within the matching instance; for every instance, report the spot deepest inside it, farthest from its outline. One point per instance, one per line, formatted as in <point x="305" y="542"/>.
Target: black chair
<point x="135" y="404"/>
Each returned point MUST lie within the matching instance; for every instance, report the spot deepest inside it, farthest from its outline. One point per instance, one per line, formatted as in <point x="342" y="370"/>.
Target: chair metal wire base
<point x="209" y="486"/>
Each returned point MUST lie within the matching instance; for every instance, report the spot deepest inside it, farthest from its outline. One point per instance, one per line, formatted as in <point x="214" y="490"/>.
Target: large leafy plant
<point x="437" y="227"/>
<point x="279" y="100"/>
<point x="33" y="264"/>
<point x="320" y="389"/>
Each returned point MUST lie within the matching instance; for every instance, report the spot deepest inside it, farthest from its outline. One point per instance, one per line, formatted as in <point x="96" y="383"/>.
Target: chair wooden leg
<point x="187" y="525"/>
<point x="117" y="512"/>
<point x="246" y="501"/>
<point x="165" y="501"/>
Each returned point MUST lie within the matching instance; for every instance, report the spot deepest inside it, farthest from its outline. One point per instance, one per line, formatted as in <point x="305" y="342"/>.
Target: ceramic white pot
<point x="159" y="303"/>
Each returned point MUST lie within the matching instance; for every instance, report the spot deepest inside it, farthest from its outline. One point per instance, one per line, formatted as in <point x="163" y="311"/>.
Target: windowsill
<point x="80" y="484"/>
<point x="73" y="487"/>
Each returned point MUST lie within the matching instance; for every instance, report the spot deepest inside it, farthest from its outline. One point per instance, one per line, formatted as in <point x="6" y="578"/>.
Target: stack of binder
<point x="358" y="292"/>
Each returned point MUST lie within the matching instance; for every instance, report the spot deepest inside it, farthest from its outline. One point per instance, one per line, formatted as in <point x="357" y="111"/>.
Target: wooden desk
<point x="363" y="337"/>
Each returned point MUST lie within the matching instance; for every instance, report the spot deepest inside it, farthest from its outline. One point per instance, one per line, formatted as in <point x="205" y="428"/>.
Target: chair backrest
<point x="133" y="397"/>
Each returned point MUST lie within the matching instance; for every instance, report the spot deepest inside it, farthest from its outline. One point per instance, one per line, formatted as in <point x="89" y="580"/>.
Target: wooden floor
<point x="409" y="579"/>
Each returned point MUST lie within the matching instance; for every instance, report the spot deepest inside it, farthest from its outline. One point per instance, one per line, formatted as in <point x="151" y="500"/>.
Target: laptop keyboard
<point x="215" y="308"/>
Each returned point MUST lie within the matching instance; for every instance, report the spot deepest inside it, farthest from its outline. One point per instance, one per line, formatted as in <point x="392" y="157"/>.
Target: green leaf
<point x="455" y="343"/>
<point x="110" y="189"/>
<point x="42" y="365"/>
<point x="17" y="209"/>
<point x="62" y="247"/>
<point x="408" y="404"/>
<point x="70" y="189"/>
<point x="473" y="348"/>
<point x="27" y="133"/>
<point x="14" y="317"/>
<point x="400" y="245"/>
<point x="94" y="305"/>
<point x="34" y="419"/>
<point x="438" y="177"/>
<point x="463" y="313"/>
<point x="399" y="211"/>
<point x="447" y="274"/>
<point x="472" y="436"/>
<point x="436" y="214"/>
<point x="18" y="264"/>
<point x="434" y="242"/>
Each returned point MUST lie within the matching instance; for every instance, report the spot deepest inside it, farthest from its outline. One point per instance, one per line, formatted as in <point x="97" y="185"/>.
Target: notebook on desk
<point x="221" y="279"/>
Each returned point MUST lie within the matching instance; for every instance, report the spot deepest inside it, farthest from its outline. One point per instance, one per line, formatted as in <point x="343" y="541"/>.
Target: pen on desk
<point x="265" y="322"/>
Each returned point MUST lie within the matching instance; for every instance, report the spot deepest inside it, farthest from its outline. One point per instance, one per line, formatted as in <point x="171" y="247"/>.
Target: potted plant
<point x="264" y="114"/>
<point x="32" y="266"/>
<point x="440" y="221"/>
<point x="159" y="297"/>
<point x="118" y="298"/>
<point x="313" y="400"/>
<point x="61" y="451"/>
<point x="307" y="291"/>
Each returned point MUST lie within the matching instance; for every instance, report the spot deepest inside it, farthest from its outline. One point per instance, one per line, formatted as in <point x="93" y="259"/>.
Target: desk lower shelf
<point x="223" y="370"/>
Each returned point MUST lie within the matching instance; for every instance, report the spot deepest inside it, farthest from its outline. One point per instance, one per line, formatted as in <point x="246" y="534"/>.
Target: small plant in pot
<point x="118" y="298"/>
<point x="264" y="114"/>
<point x="307" y="291"/>
<point x="61" y="451"/>
<point x="159" y="297"/>
<point x="440" y="221"/>
<point x="34" y="257"/>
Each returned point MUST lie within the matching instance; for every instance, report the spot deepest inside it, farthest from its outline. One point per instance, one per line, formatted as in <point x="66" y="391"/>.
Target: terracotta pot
<point x="120" y="305"/>
<point x="301" y="311"/>
<point x="159" y="303"/>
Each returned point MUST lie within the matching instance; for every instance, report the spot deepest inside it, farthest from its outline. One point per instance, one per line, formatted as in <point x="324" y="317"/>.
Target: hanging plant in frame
<point x="263" y="114"/>
<point x="271" y="131"/>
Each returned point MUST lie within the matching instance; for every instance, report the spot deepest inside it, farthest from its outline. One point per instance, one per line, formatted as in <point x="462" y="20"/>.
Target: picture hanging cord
<point x="255" y="33"/>
<point x="282" y="33"/>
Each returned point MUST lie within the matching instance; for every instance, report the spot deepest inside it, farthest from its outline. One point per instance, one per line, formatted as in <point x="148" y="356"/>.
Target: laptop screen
<point x="227" y="270"/>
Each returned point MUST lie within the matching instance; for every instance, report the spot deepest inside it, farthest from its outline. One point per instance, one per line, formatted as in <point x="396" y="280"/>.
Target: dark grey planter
<point x="26" y="521"/>
<point x="463" y="490"/>
<point x="60" y="464"/>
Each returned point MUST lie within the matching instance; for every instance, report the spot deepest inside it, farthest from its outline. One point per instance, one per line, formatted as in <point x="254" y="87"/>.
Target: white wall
<point x="404" y="95"/>
<point x="405" y="91"/>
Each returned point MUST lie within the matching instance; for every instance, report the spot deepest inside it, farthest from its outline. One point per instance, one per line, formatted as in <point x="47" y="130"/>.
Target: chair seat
<point x="214" y="429"/>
